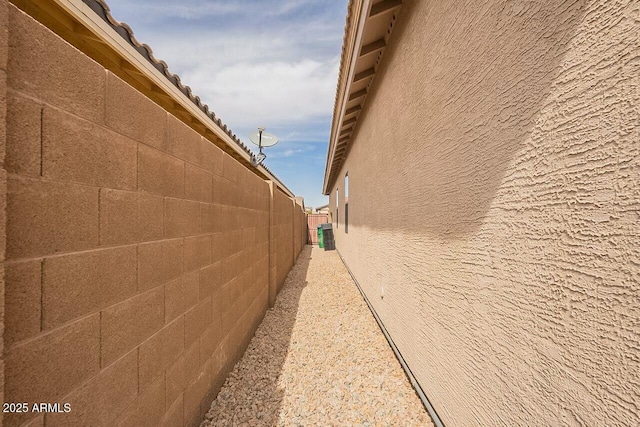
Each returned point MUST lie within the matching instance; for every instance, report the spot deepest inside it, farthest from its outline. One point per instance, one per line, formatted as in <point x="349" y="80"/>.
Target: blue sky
<point x="272" y="63"/>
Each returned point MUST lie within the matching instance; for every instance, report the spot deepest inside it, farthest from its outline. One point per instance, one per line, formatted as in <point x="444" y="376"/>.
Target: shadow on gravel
<point x="251" y="395"/>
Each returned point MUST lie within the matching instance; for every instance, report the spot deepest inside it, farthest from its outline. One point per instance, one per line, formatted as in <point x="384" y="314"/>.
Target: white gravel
<point x="318" y="358"/>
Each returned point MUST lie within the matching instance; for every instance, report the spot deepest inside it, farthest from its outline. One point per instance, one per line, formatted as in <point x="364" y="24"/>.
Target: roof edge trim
<point x="373" y="21"/>
<point x="96" y="17"/>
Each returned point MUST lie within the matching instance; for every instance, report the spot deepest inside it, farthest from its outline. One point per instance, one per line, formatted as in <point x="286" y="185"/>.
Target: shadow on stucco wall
<point x="493" y="207"/>
<point x="452" y="105"/>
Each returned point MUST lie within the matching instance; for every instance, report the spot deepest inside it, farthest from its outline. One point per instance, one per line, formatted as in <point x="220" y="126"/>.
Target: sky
<point x="270" y="63"/>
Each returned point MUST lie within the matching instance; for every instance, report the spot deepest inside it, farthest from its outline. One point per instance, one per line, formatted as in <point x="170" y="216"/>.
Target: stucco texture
<point x="494" y="208"/>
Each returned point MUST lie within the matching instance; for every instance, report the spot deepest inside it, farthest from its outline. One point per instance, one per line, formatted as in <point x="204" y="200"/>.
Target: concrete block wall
<point x="4" y="45"/>
<point x="299" y="226"/>
<point x="288" y="236"/>
<point x="494" y="208"/>
<point x="284" y="235"/>
<point x="137" y="260"/>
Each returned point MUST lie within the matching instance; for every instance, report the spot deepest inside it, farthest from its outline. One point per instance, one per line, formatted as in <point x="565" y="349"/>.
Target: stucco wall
<point x="494" y="208"/>
<point x="137" y="251"/>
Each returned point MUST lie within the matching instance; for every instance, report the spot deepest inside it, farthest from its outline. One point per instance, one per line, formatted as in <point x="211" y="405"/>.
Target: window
<point x="337" y="204"/>
<point x="346" y="202"/>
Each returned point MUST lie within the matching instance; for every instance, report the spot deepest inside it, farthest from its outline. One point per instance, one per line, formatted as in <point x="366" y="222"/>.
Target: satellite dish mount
<point x="261" y="139"/>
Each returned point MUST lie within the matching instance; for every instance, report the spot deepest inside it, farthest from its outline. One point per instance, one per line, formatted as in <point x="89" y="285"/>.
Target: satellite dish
<point x="262" y="138"/>
<point x="256" y="160"/>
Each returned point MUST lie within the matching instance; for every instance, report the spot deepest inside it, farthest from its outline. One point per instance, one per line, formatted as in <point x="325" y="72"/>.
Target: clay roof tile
<point x="101" y="8"/>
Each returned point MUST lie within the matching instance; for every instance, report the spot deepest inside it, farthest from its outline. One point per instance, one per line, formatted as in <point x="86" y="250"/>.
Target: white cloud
<point x="294" y="150"/>
<point x="153" y="10"/>
<point x="250" y="94"/>
<point x="280" y="74"/>
<point x="255" y="62"/>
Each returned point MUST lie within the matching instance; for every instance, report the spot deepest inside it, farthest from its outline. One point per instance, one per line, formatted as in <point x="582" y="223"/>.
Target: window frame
<point x="337" y="207"/>
<point x="346" y="202"/>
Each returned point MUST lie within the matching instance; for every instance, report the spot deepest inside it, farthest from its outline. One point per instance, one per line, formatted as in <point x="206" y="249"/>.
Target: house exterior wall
<point x="137" y="256"/>
<point x="494" y="208"/>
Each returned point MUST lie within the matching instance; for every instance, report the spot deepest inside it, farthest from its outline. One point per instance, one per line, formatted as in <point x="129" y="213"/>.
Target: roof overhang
<point x="369" y="26"/>
<point x="112" y="44"/>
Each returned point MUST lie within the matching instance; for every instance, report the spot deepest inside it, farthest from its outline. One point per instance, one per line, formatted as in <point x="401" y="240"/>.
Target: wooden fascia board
<point x="364" y="74"/>
<point x="384" y="6"/>
<point x="353" y="110"/>
<point x="373" y="47"/>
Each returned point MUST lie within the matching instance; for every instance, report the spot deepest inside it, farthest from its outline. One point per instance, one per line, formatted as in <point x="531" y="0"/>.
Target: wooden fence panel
<point x="313" y="220"/>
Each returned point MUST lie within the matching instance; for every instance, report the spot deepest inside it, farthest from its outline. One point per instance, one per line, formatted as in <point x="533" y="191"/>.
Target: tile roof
<point x="101" y="8"/>
<point x="347" y="27"/>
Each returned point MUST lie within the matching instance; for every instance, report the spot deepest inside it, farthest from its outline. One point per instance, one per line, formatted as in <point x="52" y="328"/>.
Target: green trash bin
<point x="320" y="239"/>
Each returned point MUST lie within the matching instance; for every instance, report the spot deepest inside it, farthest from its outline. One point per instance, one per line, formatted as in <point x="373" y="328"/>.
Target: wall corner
<point x="273" y="281"/>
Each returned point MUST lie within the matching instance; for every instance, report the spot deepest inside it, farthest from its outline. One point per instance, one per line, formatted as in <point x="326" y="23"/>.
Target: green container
<point x="320" y="238"/>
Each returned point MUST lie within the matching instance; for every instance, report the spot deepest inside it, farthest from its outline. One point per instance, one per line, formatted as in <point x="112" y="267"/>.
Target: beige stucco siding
<point x="494" y="208"/>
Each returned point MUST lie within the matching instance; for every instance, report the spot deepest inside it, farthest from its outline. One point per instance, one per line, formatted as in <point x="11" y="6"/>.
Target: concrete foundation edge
<point x="412" y="379"/>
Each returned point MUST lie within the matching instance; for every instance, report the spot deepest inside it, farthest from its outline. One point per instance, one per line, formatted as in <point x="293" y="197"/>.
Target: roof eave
<point x="364" y="44"/>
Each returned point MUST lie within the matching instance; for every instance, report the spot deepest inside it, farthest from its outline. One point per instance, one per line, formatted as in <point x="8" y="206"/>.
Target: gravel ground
<point x="318" y="358"/>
